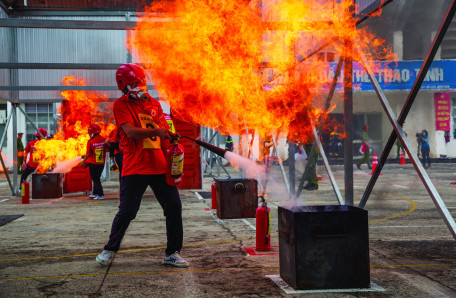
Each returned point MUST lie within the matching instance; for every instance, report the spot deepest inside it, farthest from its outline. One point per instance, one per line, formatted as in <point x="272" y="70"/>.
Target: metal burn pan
<point x="324" y="247"/>
<point x="47" y="186"/>
<point x="236" y="198"/>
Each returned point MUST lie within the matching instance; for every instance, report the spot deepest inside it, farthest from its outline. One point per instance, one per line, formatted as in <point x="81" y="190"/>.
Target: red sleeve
<point x="121" y="113"/>
<point x="113" y="136"/>
<point x="89" y="149"/>
<point x="27" y="148"/>
<point x="161" y="121"/>
<point x="161" y="118"/>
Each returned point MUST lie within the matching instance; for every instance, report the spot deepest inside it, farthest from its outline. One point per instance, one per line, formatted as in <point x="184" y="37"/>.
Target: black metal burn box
<point x="236" y="198"/>
<point x="47" y="186"/>
<point x="324" y="247"/>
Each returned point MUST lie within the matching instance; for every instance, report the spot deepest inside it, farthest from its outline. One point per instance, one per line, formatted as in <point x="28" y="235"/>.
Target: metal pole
<point x="217" y="143"/>
<point x="291" y="166"/>
<point x="13" y="190"/>
<point x="14" y="141"/>
<point x="6" y="128"/>
<point x="348" y="114"/>
<point x="328" y="169"/>
<point x="320" y="121"/>
<point x="448" y="218"/>
<point x="281" y="165"/>
<point x="15" y="99"/>
<point x="1" y="149"/>
<point x="219" y="159"/>
<point x="411" y="98"/>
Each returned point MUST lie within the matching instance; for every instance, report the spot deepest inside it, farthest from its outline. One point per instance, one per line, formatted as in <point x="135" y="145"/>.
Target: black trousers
<point x="26" y="173"/>
<point x="95" y="174"/>
<point x="132" y="189"/>
<point x="119" y="158"/>
<point x="425" y="152"/>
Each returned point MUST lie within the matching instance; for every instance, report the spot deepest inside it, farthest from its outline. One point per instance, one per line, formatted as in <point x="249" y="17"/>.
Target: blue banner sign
<point x="400" y="76"/>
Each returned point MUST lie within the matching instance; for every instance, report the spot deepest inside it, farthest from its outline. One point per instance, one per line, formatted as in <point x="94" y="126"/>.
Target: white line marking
<point x="289" y="290"/>
<point x="399" y="186"/>
<point x="249" y="224"/>
<point x="199" y="196"/>
<point x="4" y="200"/>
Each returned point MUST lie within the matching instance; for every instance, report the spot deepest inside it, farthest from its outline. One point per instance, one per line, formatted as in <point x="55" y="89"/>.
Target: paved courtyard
<point x="50" y="250"/>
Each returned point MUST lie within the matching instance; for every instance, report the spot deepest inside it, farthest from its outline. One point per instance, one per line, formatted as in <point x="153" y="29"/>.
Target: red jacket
<point x="96" y="149"/>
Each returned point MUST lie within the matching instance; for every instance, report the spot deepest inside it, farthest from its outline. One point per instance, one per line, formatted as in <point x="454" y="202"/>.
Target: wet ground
<point x="51" y="249"/>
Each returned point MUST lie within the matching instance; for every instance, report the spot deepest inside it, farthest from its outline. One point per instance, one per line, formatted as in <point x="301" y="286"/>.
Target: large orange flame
<point x="78" y="110"/>
<point x="230" y="65"/>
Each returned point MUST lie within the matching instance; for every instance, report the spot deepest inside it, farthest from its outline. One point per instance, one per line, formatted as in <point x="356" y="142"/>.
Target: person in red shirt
<point x="95" y="158"/>
<point x="33" y="161"/>
<point x="144" y="133"/>
<point x="115" y="154"/>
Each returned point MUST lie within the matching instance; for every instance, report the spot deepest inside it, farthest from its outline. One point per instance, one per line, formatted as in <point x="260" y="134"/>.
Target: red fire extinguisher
<point x="213" y="196"/>
<point x="25" y="193"/>
<point x="263" y="227"/>
<point x="175" y="163"/>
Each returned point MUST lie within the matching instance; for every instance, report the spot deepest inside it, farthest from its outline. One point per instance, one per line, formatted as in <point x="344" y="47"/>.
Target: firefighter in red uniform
<point x="33" y="160"/>
<point x="143" y="133"/>
<point x="95" y="158"/>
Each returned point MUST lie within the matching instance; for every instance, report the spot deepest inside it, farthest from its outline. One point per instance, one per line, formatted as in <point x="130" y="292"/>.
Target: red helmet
<point x="94" y="128"/>
<point x="43" y="131"/>
<point x="129" y="73"/>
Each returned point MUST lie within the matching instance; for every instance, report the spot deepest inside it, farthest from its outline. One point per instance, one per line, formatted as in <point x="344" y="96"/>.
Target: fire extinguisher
<point x="175" y="163"/>
<point x="213" y="196"/>
<point x="25" y="193"/>
<point x="263" y="227"/>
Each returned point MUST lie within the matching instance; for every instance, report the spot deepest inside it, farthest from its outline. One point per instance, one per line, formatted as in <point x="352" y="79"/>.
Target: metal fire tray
<point x="324" y="247"/>
<point x="47" y="186"/>
<point x="236" y="198"/>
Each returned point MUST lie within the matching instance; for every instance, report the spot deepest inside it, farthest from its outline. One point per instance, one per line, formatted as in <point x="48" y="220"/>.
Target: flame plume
<point x="81" y="110"/>
<point x="231" y="64"/>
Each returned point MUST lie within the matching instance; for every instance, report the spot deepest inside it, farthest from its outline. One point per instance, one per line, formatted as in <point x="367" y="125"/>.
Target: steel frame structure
<point x="397" y="123"/>
<point x="348" y="98"/>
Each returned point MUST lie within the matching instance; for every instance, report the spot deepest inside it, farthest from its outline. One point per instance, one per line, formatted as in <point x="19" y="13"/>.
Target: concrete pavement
<point x="50" y="251"/>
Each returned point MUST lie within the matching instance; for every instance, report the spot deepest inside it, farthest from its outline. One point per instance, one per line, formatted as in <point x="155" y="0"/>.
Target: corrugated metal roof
<point x="129" y="5"/>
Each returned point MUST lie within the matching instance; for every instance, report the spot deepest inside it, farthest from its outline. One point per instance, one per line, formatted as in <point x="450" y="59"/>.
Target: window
<point x="42" y="115"/>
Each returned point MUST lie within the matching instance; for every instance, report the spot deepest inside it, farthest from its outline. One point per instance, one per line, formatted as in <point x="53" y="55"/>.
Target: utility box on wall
<point x="236" y="198"/>
<point x="324" y="247"/>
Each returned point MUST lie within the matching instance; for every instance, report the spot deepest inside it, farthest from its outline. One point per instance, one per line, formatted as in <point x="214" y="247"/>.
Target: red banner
<point x="442" y="103"/>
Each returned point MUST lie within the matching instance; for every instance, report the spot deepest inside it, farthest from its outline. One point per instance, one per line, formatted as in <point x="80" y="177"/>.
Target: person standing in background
<point x="334" y="138"/>
<point x="229" y="144"/>
<point x="425" y="148"/>
<point x="399" y="147"/>
<point x="20" y="152"/>
<point x="365" y="149"/>
<point x="95" y="158"/>
<point x="33" y="161"/>
<point x="312" y="178"/>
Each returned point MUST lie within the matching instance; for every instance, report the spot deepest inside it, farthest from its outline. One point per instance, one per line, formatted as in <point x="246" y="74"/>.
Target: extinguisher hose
<point x="219" y="151"/>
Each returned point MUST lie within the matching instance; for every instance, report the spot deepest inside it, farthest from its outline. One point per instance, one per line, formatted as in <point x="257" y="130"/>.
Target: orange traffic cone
<point x="374" y="164"/>
<point x="402" y="161"/>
